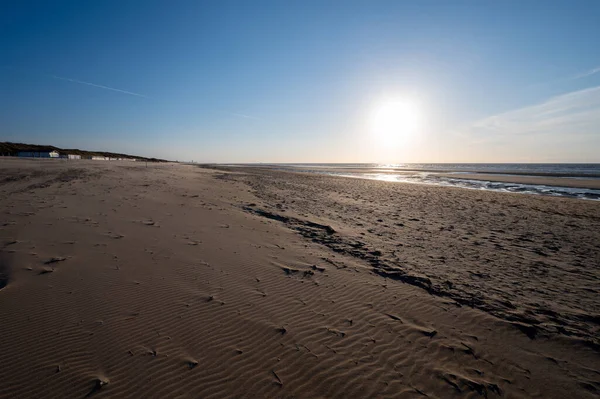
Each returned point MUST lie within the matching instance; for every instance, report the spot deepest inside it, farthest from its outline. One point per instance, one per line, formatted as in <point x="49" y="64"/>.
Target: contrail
<point x="99" y="86"/>
<point x="588" y="73"/>
<point x="245" y="116"/>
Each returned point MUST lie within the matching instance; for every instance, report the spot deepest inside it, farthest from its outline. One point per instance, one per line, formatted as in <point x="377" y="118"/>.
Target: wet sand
<point x="118" y="280"/>
<point x="548" y="179"/>
<point x="575" y="182"/>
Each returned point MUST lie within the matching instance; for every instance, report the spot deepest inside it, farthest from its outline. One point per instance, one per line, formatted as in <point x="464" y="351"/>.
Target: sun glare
<point x="395" y="123"/>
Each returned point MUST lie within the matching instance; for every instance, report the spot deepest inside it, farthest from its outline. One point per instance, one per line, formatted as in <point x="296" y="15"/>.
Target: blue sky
<point x="287" y="81"/>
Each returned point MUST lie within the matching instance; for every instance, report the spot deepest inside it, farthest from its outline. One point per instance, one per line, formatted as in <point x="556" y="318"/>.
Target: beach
<point x="119" y="279"/>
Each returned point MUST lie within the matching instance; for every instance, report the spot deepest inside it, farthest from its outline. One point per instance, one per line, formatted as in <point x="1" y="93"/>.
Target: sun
<point x="394" y="123"/>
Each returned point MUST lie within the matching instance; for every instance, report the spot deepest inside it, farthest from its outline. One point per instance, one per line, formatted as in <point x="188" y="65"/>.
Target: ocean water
<point x="456" y="175"/>
<point x="529" y="169"/>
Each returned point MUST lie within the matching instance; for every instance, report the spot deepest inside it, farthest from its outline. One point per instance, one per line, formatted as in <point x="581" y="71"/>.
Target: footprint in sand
<point x="55" y="260"/>
<point x="99" y="383"/>
<point x="191" y="363"/>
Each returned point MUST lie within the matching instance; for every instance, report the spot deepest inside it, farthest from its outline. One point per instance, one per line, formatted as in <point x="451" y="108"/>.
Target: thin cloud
<point x="574" y="114"/>
<point x="99" y="86"/>
<point x="567" y="78"/>
<point x="245" y="116"/>
<point x="588" y="73"/>
<point x="564" y="128"/>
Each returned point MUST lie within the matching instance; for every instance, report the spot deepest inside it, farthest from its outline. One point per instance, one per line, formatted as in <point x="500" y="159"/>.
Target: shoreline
<point x="546" y="180"/>
<point x="538" y="183"/>
<point x="392" y="170"/>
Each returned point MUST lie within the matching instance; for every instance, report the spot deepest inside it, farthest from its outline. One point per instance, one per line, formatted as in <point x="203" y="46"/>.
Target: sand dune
<point x="175" y="281"/>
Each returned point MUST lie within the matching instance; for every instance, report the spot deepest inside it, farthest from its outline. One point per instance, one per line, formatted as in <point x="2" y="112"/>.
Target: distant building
<point x="95" y="158"/>
<point x="70" y="156"/>
<point x="38" y="154"/>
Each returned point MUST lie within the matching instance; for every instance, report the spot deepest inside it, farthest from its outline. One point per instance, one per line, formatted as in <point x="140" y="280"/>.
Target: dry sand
<point x="118" y="280"/>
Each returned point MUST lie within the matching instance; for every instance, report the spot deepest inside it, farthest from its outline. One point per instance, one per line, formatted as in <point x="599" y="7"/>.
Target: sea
<point x="457" y="175"/>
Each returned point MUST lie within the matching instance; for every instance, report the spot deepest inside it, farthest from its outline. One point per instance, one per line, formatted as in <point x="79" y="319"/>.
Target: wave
<point x="424" y="178"/>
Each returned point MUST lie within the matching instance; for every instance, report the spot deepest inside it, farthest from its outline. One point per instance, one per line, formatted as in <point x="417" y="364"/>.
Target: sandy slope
<point x="174" y="281"/>
<point x="528" y="259"/>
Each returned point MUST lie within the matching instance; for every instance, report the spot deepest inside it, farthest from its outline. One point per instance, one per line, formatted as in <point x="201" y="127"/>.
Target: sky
<point x="301" y="81"/>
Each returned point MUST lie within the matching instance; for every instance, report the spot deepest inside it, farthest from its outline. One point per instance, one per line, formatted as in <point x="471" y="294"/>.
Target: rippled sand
<point x="118" y="280"/>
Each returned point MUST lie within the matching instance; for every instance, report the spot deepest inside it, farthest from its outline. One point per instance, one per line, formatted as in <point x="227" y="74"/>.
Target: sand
<point x="174" y="281"/>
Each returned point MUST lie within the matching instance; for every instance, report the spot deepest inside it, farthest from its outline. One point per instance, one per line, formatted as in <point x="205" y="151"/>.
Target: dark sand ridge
<point x="128" y="281"/>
